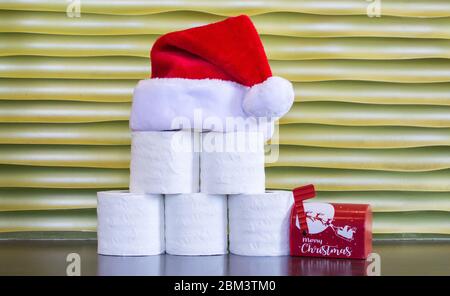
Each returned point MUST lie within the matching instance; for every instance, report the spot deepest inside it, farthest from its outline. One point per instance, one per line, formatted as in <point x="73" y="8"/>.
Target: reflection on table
<point x="227" y="265"/>
<point x="50" y="258"/>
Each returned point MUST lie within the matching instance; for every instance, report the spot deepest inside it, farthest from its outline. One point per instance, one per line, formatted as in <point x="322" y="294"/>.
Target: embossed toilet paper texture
<point x="232" y="163"/>
<point x="164" y="162"/>
<point x="130" y="224"/>
<point x="259" y="223"/>
<point x="196" y="224"/>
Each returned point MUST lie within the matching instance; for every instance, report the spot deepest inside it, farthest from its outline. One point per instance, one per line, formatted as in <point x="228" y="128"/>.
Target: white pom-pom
<point x="271" y="98"/>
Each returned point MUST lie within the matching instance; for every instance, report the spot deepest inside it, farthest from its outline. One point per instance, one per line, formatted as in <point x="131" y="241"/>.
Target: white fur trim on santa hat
<point x="271" y="98"/>
<point x="161" y="104"/>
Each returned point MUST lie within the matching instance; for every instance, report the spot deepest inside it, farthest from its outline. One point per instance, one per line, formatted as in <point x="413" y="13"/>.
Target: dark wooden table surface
<point x="50" y="258"/>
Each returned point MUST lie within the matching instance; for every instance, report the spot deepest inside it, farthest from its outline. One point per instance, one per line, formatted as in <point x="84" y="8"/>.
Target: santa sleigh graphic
<point x="346" y="232"/>
<point x="318" y="221"/>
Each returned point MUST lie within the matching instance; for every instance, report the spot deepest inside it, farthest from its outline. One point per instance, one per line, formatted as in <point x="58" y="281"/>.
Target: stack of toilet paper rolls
<point x="190" y="192"/>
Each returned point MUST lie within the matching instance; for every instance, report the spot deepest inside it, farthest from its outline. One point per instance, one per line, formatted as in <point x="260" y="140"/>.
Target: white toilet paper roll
<point x="164" y="162"/>
<point x="130" y="224"/>
<point x="232" y="163"/>
<point x="259" y="223"/>
<point x="196" y="224"/>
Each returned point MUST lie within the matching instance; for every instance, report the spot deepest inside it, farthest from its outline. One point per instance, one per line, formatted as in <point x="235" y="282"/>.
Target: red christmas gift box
<point x="329" y="230"/>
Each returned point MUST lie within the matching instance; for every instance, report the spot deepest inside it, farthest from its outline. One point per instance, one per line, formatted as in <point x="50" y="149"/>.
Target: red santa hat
<point x="220" y="69"/>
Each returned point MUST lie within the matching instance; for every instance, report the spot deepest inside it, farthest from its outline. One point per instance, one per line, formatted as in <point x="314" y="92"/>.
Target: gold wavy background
<point x="371" y="122"/>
